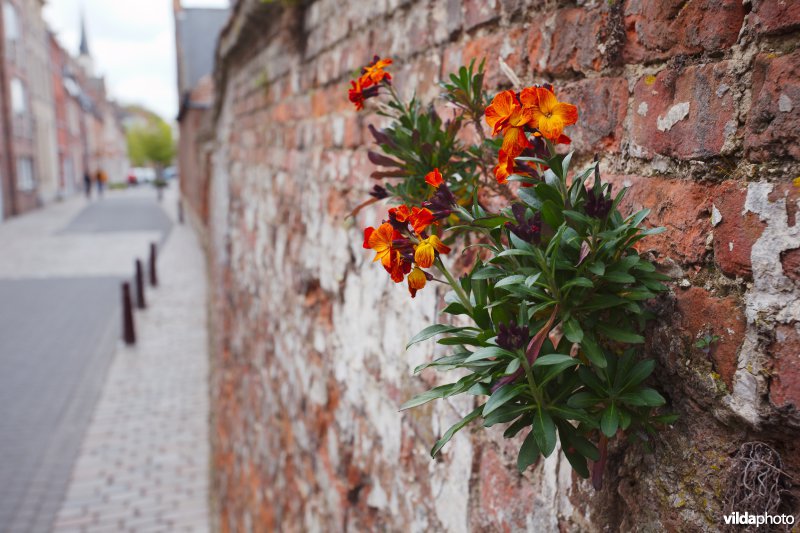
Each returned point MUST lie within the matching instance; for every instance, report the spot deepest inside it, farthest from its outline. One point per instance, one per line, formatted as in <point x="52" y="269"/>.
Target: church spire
<point x="84" y="50"/>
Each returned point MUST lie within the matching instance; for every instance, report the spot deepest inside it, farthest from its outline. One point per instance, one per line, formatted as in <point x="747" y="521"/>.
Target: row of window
<point x="11" y="23"/>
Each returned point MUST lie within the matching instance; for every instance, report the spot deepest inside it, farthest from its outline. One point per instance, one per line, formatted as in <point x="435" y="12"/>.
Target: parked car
<point x="170" y="173"/>
<point x="144" y="174"/>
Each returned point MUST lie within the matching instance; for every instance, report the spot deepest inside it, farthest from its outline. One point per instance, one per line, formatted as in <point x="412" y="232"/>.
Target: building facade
<point x="195" y="55"/>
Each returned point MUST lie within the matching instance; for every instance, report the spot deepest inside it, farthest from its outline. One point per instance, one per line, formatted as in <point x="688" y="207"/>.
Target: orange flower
<point x="420" y="219"/>
<point x="398" y="267"/>
<point x="416" y="281"/>
<point x="549" y="115"/>
<point x="507" y="116"/>
<point x="375" y="73"/>
<point x="380" y="240"/>
<point x="424" y="253"/>
<point x="400" y="213"/>
<point x="434" y="178"/>
<point x="505" y="166"/>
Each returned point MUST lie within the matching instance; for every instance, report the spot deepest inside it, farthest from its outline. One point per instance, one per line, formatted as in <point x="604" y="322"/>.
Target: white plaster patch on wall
<point x="642" y="109"/>
<point x="785" y="103"/>
<point x="716" y="216"/>
<point x="675" y="114"/>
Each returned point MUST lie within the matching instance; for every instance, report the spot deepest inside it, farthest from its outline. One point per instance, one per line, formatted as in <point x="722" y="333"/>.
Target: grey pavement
<point x="143" y="465"/>
<point x="60" y="269"/>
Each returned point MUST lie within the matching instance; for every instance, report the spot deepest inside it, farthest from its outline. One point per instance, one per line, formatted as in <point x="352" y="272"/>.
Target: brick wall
<point x="692" y="104"/>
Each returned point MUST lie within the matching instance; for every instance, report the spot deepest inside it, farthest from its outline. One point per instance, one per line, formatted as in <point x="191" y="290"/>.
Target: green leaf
<point x="503" y="395"/>
<point x="432" y="331"/>
<point x="578" y="217"/>
<point x="510" y="280"/>
<point x="552" y="214"/>
<point x="488" y="272"/>
<point x="487" y="352"/>
<point x="638" y="373"/>
<point x="554" y="359"/>
<point x="582" y="400"/>
<point x="544" y="431"/>
<point x="609" y="422"/>
<point x="573" y="331"/>
<point x="448" y="360"/>
<point x="620" y="334"/>
<point x="427" y="396"/>
<point x="528" y="452"/>
<point x="593" y="352"/>
<point x="454" y="429"/>
<point x="491" y="222"/>
<point x="598" y="268"/>
<point x="618" y="277"/>
<point x="578" y="463"/>
<point x="579" y="281"/>
<point x="645" y="397"/>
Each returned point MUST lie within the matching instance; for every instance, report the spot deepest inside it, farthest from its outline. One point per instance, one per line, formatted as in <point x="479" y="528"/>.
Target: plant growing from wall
<point x="554" y="301"/>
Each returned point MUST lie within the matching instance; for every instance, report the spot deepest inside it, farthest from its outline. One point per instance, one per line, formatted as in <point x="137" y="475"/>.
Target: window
<point x="10" y="21"/>
<point x="25" y="179"/>
<point x="19" y="98"/>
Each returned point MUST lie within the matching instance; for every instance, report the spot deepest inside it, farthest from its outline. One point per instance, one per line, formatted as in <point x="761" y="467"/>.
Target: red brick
<point x="775" y="16"/>
<point x="478" y="12"/>
<point x="602" y="106"/>
<point x="784" y="386"/>
<point x="735" y="235"/>
<point x="790" y="262"/>
<point x="505" y="496"/>
<point x="508" y="44"/>
<point x="702" y="313"/>
<point x="686" y="114"/>
<point x="683" y="207"/>
<point x="664" y="28"/>
<point x="574" y="41"/>
<point x="773" y="123"/>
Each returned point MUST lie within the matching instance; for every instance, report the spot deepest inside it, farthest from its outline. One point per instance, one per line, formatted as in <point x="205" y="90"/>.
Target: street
<point x="65" y="378"/>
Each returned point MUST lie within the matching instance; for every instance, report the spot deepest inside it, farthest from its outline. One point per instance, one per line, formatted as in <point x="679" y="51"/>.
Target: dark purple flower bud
<point x="512" y="337"/>
<point x="598" y="204"/>
<point x="378" y="192"/>
<point x="441" y="201"/>
<point x="529" y="229"/>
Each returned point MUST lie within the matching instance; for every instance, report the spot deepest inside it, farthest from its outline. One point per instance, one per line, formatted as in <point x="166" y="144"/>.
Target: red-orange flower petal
<point x="434" y="178"/>
<point x="500" y="110"/>
<point x="381" y="240"/>
<point x="420" y="219"/>
<point x="504" y="167"/>
<point x="400" y="213"/>
<point x="375" y="73"/>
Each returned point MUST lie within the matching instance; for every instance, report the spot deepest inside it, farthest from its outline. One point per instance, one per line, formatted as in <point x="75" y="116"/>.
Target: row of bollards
<point x="128" y="326"/>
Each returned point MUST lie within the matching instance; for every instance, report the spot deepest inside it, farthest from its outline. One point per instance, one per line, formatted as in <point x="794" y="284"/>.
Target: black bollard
<point x="140" y="303"/>
<point x="128" y="332"/>
<point x="153" y="260"/>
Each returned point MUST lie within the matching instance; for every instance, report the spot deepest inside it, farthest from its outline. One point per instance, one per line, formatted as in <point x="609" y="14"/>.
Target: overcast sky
<point x="132" y="42"/>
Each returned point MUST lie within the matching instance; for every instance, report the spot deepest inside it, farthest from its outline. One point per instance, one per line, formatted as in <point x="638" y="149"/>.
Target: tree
<point x="151" y="143"/>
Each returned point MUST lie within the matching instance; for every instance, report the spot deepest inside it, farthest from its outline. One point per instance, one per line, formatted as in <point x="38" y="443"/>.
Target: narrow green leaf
<point x="487" y="352"/>
<point x="554" y="359"/>
<point x="618" y="277"/>
<point x="573" y="331"/>
<point x="432" y="331"/>
<point x="510" y="280"/>
<point x="609" y="422"/>
<point x="454" y="429"/>
<point x="528" y="452"/>
<point x="593" y="351"/>
<point x="619" y="334"/>
<point x="503" y="395"/>
<point x="544" y="431"/>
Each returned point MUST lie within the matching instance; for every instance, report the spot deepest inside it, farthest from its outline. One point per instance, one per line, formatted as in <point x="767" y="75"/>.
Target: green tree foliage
<point x="151" y="143"/>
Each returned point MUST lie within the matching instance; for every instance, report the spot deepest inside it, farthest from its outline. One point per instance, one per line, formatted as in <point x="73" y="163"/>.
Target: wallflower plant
<point x="555" y="298"/>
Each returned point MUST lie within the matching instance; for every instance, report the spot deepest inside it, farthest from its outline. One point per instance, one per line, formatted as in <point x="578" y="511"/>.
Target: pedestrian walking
<point x="102" y="178"/>
<point x="87" y="184"/>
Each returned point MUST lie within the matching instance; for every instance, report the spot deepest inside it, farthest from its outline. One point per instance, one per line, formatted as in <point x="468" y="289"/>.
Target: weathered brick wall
<point x="693" y="104"/>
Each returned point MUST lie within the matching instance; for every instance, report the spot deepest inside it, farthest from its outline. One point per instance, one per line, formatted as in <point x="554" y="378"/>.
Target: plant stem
<point x="455" y="284"/>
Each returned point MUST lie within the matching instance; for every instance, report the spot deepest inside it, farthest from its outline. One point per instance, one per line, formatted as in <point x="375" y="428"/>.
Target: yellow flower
<point x="424" y="254"/>
<point x="416" y="281"/>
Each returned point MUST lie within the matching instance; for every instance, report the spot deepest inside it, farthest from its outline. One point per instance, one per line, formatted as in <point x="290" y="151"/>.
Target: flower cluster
<point x="403" y="244"/>
<point x="535" y="110"/>
<point x="372" y="77"/>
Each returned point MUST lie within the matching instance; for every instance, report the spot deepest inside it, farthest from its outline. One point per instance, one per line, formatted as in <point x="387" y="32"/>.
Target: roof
<point x="198" y="31"/>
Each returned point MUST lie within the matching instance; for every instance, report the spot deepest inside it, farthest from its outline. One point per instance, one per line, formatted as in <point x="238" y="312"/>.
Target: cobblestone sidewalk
<point x="143" y="464"/>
